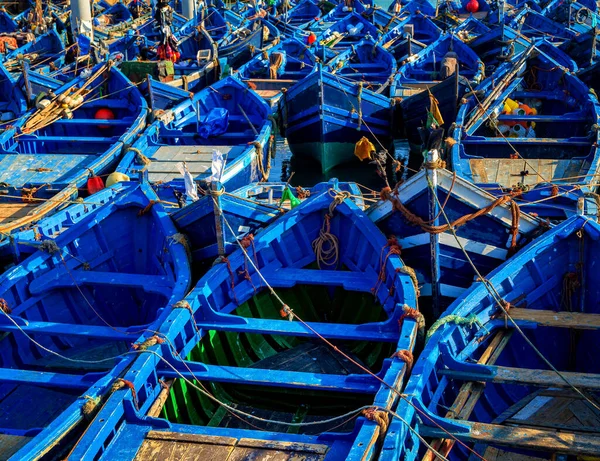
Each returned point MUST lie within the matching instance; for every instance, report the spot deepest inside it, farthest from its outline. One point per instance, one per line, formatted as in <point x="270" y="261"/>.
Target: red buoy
<point x="312" y="38"/>
<point x="472" y="6"/>
<point x="94" y="184"/>
<point x="104" y="113"/>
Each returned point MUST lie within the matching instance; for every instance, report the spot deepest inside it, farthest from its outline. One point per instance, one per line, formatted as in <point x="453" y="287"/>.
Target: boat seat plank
<point x="552" y="141"/>
<point x="352" y="281"/>
<point x="45" y="378"/>
<point x="522" y="437"/>
<point x="520" y="376"/>
<point x="59" y="278"/>
<point x="174" y="446"/>
<point x="278" y="378"/>
<point x="65" y="329"/>
<point x="89" y="357"/>
<point x="365" y="332"/>
<point x="547" y="318"/>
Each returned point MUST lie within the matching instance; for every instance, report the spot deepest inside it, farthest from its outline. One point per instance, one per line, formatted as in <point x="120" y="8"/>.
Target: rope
<point x="4" y="307"/>
<point x="326" y="245"/>
<point x="456" y="319"/>
<point x="151" y="341"/>
<point x="500" y="302"/>
<point x="259" y="161"/>
<point x="406" y="356"/>
<point x="386" y="194"/>
<point x="147" y="208"/>
<point x="414" y="314"/>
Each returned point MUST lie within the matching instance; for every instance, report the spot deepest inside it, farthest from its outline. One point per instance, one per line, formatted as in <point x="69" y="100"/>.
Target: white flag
<point x="218" y="166"/>
<point x="190" y="186"/>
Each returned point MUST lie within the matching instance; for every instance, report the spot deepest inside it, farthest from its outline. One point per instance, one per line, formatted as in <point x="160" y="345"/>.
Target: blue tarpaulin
<point x="214" y="124"/>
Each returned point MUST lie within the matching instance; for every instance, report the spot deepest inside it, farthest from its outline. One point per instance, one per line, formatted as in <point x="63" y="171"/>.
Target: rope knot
<point x="414" y="314"/>
<point x="406" y="356"/>
<point x="125" y="384"/>
<point x="151" y="341"/>
<point x="183" y="304"/>
<point x="379" y="417"/>
<point x="247" y="241"/>
<point x="49" y="246"/>
<point x="4" y="307"/>
<point x="147" y="208"/>
<point x="385" y="194"/>
<point x="302" y="193"/>
<point x="286" y="312"/>
<point x="554" y="191"/>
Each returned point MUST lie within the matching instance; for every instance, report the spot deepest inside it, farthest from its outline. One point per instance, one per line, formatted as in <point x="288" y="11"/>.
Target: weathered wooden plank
<point x="560" y="319"/>
<point x="524" y="438"/>
<point x="10" y="444"/>
<point x="179" y="446"/>
<point x="470" y="393"/>
<point x="542" y="378"/>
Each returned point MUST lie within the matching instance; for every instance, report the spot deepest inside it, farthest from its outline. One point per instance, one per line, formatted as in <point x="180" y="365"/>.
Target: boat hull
<point x="325" y="116"/>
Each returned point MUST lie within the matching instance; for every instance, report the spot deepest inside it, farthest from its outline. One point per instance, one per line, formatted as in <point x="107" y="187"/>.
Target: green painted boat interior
<point x="187" y="405"/>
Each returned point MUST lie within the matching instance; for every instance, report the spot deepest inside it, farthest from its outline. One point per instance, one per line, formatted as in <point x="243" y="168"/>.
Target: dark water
<point x="308" y="172"/>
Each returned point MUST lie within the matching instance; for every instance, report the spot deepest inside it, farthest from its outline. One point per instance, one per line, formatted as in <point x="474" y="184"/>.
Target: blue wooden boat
<point x="44" y="50"/>
<point x="583" y="48"/>
<point x="426" y="69"/>
<point x="227" y="117"/>
<point x="195" y="68"/>
<point x="113" y="15"/>
<point x="278" y="68"/>
<point x="365" y="62"/>
<point x="510" y="370"/>
<point x="341" y="10"/>
<point x="248" y="39"/>
<point x="325" y="115"/>
<point x="411" y="36"/>
<point x="580" y="16"/>
<point x="71" y="312"/>
<point x="258" y="362"/>
<point x="413" y="6"/>
<point x="383" y="19"/>
<point x="12" y="100"/>
<point x="18" y="246"/>
<point x="347" y="31"/>
<point x="47" y="155"/>
<point x="413" y="214"/>
<point x="291" y="22"/>
<point x="248" y="210"/>
<point x="426" y="75"/>
<point x="7" y="23"/>
<point x="535" y="25"/>
<point x="547" y="148"/>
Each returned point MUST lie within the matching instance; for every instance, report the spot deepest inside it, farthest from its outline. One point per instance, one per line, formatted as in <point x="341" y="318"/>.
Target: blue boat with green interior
<point x="509" y="371"/>
<point x="256" y="372"/>
<point x="71" y="312"/>
<point x="349" y="30"/>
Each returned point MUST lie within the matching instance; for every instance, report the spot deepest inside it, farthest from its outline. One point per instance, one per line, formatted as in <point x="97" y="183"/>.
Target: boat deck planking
<point x="176" y="446"/>
<point x="198" y="160"/>
<point x="508" y="172"/>
<point x="576" y="320"/>
<point x="13" y="211"/>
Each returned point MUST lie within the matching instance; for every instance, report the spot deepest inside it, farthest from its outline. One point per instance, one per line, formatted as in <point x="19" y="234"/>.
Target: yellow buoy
<point x="116" y="177"/>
